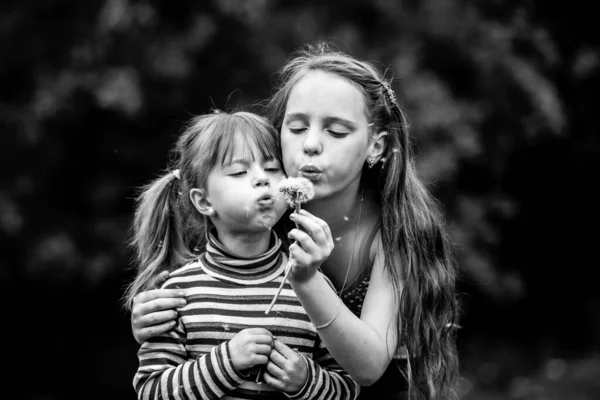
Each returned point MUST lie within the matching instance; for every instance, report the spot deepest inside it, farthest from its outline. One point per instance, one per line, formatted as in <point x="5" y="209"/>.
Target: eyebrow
<point x="327" y="120"/>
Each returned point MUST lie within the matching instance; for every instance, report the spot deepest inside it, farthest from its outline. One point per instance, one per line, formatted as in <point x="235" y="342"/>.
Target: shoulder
<point x="378" y="256"/>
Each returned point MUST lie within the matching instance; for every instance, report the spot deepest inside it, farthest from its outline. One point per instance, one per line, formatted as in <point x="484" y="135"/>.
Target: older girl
<point x="391" y="318"/>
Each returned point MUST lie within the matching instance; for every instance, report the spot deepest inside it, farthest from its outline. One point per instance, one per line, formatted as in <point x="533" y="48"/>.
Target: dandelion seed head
<point x="296" y="190"/>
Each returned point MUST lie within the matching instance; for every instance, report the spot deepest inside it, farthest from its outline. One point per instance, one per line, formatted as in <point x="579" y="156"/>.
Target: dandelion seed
<point x="226" y="327"/>
<point x="346" y="218"/>
<point x="337" y="239"/>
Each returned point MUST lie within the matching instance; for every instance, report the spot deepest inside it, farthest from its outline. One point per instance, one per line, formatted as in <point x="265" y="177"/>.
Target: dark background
<point x="502" y="98"/>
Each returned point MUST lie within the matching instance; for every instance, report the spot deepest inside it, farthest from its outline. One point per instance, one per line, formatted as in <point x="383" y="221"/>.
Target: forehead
<point x="246" y="146"/>
<point x="326" y="94"/>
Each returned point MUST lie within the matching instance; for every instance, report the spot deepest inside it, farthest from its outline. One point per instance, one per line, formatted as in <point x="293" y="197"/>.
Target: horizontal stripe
<point x="192" y="360"/>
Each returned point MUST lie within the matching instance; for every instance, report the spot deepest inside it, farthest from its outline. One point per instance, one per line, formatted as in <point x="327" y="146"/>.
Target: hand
<point x="286" y="369"/>
<point x="250" y="347"/>
<point x="312" y="247"/>
<point x="153" y="311"/>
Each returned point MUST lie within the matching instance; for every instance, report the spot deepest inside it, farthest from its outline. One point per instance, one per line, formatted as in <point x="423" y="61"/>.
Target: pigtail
<point x="157" y="234"/>
<point x="168" y="231"/>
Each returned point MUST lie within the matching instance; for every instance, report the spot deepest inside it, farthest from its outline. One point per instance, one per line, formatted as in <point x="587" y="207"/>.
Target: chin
<point x="266" y="221"/>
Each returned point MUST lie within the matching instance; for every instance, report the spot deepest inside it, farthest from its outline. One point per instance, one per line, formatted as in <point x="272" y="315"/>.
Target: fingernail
<point x="293" y="216"/>
<point x="181" y="294"/>
<point x="182" y="302"/>
<point x="172" y="324"/>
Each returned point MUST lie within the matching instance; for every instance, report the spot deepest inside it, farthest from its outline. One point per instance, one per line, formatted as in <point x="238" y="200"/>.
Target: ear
<point x="377" y="146"/>
<point x="201" y="202"/>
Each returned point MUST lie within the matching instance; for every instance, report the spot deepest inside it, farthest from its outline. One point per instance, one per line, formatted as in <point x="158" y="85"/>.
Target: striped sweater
<point x="226" y="294"/>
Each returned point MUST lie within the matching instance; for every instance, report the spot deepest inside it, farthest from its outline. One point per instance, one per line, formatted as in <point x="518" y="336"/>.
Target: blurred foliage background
<point x="502" y="96"/>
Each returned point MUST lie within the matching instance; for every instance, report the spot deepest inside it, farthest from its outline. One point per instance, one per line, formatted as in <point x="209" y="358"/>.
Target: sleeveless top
<point x="354" y="295"/>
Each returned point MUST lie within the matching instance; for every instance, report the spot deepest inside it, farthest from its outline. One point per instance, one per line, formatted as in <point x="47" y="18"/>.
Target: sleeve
<point x="326" y="379"/>
<point x="165" y="372"/>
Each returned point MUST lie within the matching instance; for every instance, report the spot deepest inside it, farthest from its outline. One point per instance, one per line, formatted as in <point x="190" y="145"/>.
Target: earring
<point x="210" y="211"/>
<point x="371" y="161"/>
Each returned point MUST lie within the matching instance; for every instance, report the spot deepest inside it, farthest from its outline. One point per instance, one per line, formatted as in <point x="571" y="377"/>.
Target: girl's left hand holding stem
<point x="314" y="244"/>
<point x="286" y="369"/>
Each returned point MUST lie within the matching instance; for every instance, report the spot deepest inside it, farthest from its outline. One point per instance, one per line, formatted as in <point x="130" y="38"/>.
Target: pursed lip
<point x="266" y="200"/>
<point x="310" y="172"/>
<point x="310" y="169"/>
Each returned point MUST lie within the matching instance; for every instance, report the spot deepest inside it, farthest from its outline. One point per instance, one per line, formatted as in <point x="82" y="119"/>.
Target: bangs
<point x="248" y="136"/>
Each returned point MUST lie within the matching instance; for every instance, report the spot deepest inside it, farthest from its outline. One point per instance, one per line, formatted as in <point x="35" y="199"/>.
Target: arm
<point x="363" y="346"/>
<point x="165" y="372"/>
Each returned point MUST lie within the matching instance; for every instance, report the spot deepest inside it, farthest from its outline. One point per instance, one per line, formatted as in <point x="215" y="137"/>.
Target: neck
<point x="337" y="210"/>
<point x="245" y="244"/>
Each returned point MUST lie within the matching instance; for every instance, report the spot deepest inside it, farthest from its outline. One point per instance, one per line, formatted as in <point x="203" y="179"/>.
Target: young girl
<point x="223" y="196"/>
<point x="341" y="127"/>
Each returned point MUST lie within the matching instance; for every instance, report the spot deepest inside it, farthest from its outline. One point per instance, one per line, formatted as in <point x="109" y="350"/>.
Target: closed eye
<point x="237" y="173"/>
<point x="337" y="134"/>
<point x="297" y="130"/>
<point x="273" y="169"/>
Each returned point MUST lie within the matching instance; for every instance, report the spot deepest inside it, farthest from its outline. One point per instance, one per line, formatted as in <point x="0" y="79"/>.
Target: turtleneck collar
<point x="222" y="265"/>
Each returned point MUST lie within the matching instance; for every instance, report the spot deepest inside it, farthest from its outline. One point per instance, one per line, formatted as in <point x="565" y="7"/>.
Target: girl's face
<point x="324" y="136"/>
<point x="243" y="194"/>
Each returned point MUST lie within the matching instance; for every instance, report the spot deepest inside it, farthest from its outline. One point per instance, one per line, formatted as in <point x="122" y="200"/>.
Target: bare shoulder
<point x="377" y="257"/>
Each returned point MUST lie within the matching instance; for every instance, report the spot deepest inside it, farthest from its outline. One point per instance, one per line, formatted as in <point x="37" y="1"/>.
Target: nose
<point x="312" y="142"/>
<point x="261" y="179"/>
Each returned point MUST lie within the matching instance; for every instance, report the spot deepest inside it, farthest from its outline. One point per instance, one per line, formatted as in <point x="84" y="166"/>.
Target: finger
<point x="259" y="331"/>
<point x="160" y="304"/>
<point x="277" y="359"/>
<point x="305" y="241"/>
<point x="310" y="226"/>
<point x="161" y="278"/>
<point x="260" y="359"/>
<point x="262" y="349"/>
<point x="264" y="339"/>
<point x="284" y="350"/>
<point x="275" y="370"/>
<point x="156" y="318"/>
<point x="154" y="294"/>
<point x="324" y="225"/>
<point x="272" y="381"/>
<point x="151" y="331"/>
<point x="301" y="257"/>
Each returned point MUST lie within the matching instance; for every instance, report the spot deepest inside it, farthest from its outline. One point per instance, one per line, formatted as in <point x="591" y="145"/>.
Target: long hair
<point x="167" y="230"/>
<point x="418" y="257"/>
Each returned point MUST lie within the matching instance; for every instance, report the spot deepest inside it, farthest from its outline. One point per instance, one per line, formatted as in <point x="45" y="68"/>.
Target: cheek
<point x="287" y="158"/>
<point x="289" y="144"/>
